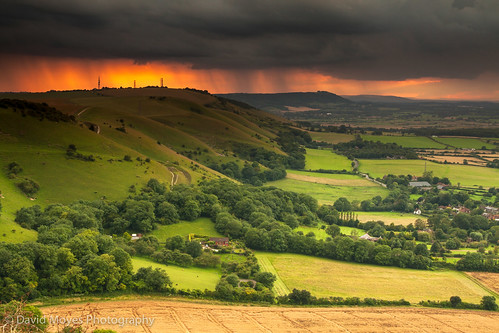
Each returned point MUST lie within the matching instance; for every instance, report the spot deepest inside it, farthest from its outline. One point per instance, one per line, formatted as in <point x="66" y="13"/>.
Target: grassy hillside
<point x="178" y="132"/>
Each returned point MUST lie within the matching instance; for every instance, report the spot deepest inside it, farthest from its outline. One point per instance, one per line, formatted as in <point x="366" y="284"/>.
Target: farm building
<point x="136" y="236"/>
<point x="220" y="241"/>
<point x="491" y="210"/>
<point x="421" y="185"/>
<point x="369" y="238"/>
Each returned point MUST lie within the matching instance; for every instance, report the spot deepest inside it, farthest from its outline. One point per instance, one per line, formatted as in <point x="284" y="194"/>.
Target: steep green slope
<point x="178" y="132"/>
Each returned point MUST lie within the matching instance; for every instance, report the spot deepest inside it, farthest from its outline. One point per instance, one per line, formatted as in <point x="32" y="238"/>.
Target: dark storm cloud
<point x="359" y="39"/>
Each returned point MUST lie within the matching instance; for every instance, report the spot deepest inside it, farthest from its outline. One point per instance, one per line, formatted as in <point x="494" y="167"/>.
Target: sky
<point x="445" y="49"/>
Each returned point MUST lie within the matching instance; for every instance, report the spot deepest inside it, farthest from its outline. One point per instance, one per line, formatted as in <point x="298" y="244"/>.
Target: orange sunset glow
<point x="36" y="74"/>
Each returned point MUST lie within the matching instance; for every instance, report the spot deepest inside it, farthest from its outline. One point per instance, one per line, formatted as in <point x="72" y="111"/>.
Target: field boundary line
<point x="144" y="326"/>
<point x="256" y="322"/>
<point x="280" y="287"/>
<point x="481" y="285"/>
<point x="176" y="318"/>
<point x="318" y="314"/>
<point x="214" y="320"/>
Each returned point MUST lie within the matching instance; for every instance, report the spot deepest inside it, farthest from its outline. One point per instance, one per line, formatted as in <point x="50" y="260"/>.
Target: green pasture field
<point x="183" y="277"/>
<point x="350" y="231"/>
<point x="228" y="257"/>
<point x="280" y="288"/>
<point x="337" y="176"/>
<point x="389" y="217"/>
<point x="328" y="194"/>
<point x="405" y="141"/>
<point x="466" y="175"/>
<point x="330" y="137"/>
<point x="325" y="277"/>
<point x="325" y="159"/>
<point x="201" y="226"/>
<point x="321" y="233"/>
<point x="12" y="200"/>
<point x="465" y="143"/>
<point x="330" y="179"/>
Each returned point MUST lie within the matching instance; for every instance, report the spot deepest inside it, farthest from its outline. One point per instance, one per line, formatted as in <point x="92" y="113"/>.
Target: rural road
<point x="82" y="111"/>
<point x="173" y="171"/>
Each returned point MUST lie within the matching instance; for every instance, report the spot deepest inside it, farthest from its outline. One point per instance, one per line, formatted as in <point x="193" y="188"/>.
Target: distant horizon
<point x="436" y="50"/>
<point x="242" y="92"/>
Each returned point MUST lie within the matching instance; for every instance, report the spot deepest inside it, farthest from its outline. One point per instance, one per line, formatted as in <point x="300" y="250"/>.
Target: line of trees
<point x="37" y="110"/>
<point x="360" y="148"/>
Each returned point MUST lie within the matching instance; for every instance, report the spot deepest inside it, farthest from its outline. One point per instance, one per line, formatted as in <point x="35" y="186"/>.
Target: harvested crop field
<point x="171" y="316"/>
<point x="351" y="181"/>
<point x="456" y="159"/>
<point x="490" y="280"/>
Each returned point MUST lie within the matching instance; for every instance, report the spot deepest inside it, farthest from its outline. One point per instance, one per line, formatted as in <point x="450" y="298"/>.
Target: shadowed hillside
<point x="107" y="143"/>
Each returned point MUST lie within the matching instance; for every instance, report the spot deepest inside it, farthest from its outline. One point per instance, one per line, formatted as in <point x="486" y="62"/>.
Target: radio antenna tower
<point x="98" y="83"/>
<point x="134" y="85"/>
<point x="161" y="82"/>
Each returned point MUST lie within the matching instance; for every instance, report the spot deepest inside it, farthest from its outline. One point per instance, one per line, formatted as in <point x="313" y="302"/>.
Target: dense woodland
<point x="75" y="252"/>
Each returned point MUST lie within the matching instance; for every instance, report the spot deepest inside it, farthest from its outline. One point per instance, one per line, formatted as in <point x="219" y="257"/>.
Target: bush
<point x="28" y="186"/>
<point x="149" y="279"/>
<point x="455" y="301"/>
<point x="489" y="303"/>
<point x="207" y="259"/>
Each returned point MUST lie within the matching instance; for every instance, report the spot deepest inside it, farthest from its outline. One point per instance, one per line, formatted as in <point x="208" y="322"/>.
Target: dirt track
<point x="171" y="316"/>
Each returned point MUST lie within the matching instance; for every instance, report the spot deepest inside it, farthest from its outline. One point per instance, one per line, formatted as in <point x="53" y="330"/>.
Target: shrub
<point x="489" y="303"/>
<point x="28" y="186"/>
<point x="455" y="301"/>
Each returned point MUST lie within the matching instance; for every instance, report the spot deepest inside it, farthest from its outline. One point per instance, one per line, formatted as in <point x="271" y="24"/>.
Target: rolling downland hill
<point x="114" y="141"/>
<point x="295" y="101"/>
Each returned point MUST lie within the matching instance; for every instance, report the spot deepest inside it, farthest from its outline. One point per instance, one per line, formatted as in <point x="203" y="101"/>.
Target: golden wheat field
<point x="174" y="316"/>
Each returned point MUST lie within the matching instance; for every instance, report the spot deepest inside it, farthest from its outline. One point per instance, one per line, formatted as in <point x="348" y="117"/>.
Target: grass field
<point x="182" y="277"/>
<point x="325" y="159"/>
<point x="465" y="143"/>
<point x="321" y="233"/>
<point x="464" y="174"/>
<point x="331" y="179"/>
<point x="201" y="226"/>
<point x="330" y="137"/>
<point x="328" y="194"/>
<point x="389" y="217"/>
<point x="324" y="277"/>
<point x="280" y="288"/>
<point x="405" y="141"/>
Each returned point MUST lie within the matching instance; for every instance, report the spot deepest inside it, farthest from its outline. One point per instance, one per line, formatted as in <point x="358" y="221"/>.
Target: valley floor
<point x="173" y="316"/>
